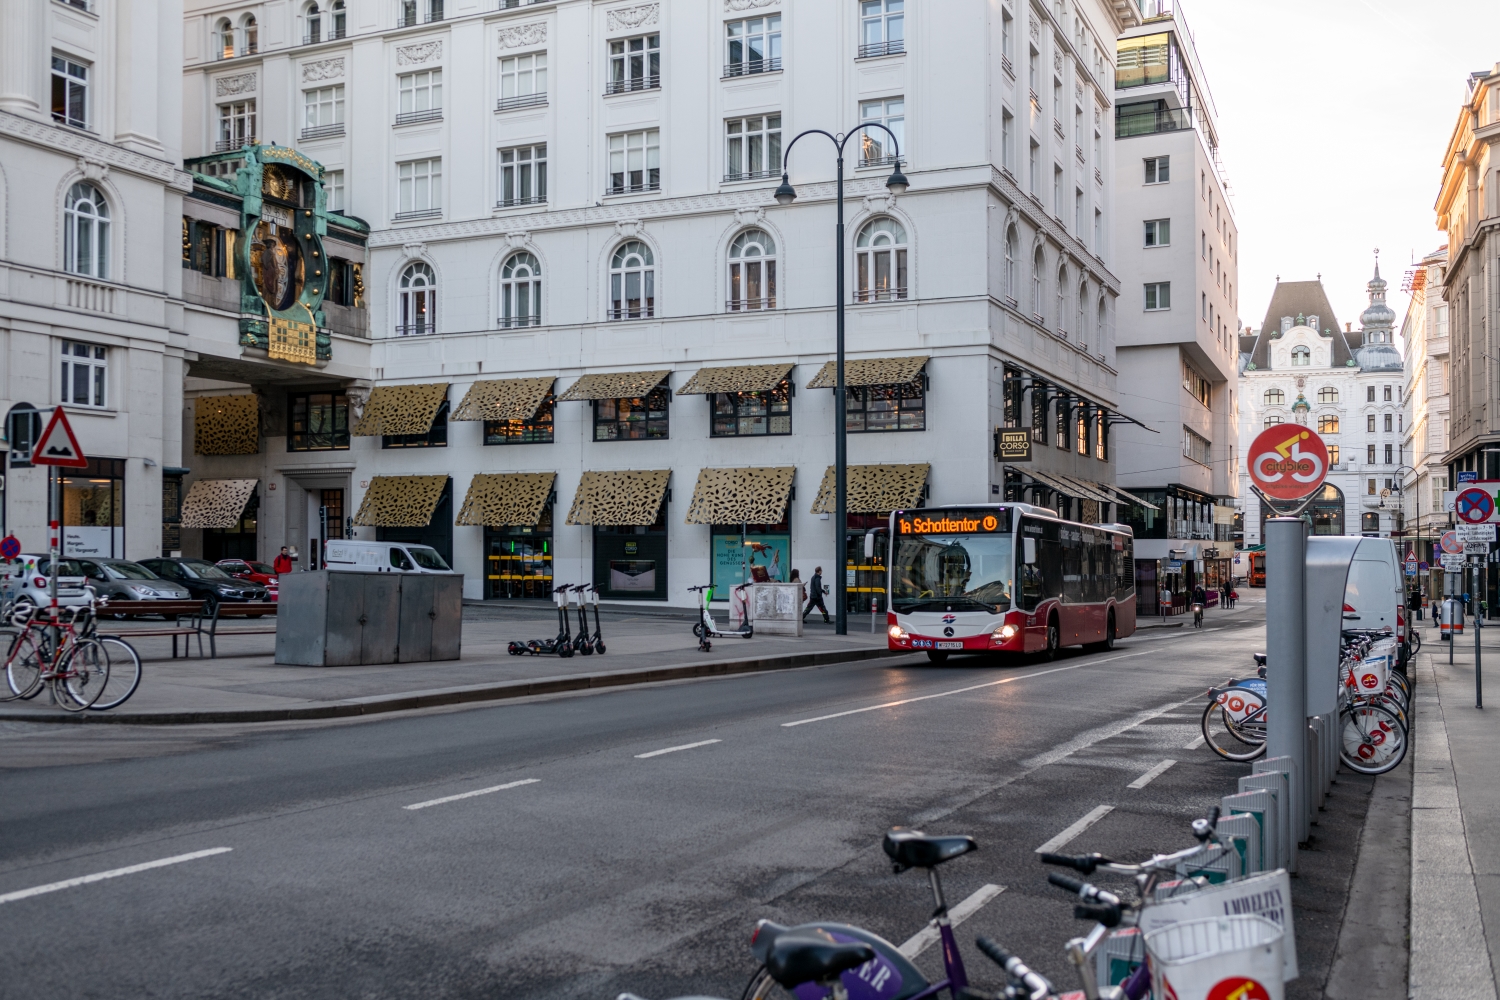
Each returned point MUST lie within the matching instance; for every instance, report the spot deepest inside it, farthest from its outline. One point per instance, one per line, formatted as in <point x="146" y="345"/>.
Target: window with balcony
<point x="520" y="291"/>
<point x="638" y="418"/>
<point x="1007" y="41"/>
<point x="537" y="429"/>
<point x="333" y="189"/>
<point x="523" y="81"/>
<point x="249" y="36"/>
<point x="882" y="26"/>
<point x="752" y="271"/>
<point x="1158" y="232"/>
<point x="1143" y="60"/>
<point x="1328" y="424"/>
<point x="420" y="97"/>
<point x="872" y="409"/>
<point x="324" y="23"/>
<point x="85" y="374"/>
<point x="236" y="125"/>
<point x="880" y="261"/>
<point x="419" y="189"/>
<point x="416" y="301"/>
<point x="634" y="162"/>
<point x="86" y="232"/>
<point x="323" y="112"/>
<point x="1333" y="455"/>
<point x="523" y="176"/>
<point x="436" y="436"/>
<point x="1158" y="296"/>
<point x="317" y="421"/>
<point x="634" y="64"/>
<point x="70" y="92"/>
<point x="632" y="282"/>
<point x="752" y="414"/>
<point x="414" y="12"/>
<point x="876" y="147"/>
<point x="753" y="46"/>
<point x="223" y="40"/>
<point x="1158" y="169"/>
<point x="752" y="148"/>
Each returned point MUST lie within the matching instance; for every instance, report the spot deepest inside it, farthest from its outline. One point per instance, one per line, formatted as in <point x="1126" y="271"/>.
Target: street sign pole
<point x="57" y="448"/>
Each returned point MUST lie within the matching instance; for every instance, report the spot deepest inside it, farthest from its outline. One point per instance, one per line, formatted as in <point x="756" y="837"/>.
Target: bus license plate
<point x="949" y="645"/>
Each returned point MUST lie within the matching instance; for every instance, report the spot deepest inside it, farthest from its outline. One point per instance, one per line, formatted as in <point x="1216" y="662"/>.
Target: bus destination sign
<point x="953" y="522"/>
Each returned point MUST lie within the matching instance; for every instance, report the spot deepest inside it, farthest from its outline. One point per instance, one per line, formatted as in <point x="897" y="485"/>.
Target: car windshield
<point x="204" y="570"/>
<point x="262" y="568"/>
<point x="952" y="573"/>
<point x="427" y="558"/>
<point x="65" y="567"/>
<point x="127" y="571"/>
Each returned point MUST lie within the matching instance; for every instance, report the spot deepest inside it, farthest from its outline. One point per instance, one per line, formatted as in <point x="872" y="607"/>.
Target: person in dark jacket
<point x="815" y="592"/>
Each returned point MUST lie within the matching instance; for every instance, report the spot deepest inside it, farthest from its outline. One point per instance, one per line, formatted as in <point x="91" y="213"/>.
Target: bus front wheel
<point x="936" y="656"/>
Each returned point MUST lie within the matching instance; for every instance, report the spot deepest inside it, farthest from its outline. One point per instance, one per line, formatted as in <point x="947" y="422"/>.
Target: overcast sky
<point x="1333" y="119"/>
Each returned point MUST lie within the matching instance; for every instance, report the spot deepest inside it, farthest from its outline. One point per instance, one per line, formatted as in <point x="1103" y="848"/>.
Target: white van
<point x="383" y="557"/>
<point x="1374" y="595"/>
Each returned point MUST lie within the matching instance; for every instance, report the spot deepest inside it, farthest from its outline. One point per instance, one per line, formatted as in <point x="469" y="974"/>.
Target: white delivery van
<point x="1374" y="595"/>
<point x="383" y="557"/>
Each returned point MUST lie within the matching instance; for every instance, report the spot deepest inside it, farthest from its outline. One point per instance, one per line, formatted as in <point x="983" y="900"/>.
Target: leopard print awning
<point x="741" y="496"/>
<point x="216" y="503"/>
<point x="401" y="409"/>
<point x="874" y="489"/>
<point x="613" y="385"/>
<point x="871" y="371"/>
<point x="502" y="499"/>
<point x="504" y="399"/>
<point x="400" y="501"/>
<point x="226" y="425"/>
<point x="737" y="378"/>
<point x="619" y="498"/>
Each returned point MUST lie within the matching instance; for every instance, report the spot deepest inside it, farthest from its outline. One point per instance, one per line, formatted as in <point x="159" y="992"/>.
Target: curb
<point x="380" y="704"/>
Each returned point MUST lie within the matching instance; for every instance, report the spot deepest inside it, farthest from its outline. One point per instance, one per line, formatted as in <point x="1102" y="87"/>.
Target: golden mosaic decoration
<point x="875" y="489"/>
<point x="226" y="425"/>
<point x="216" y="503"/>
<point x="504" y="499"/>
<point x="614" y="385"/>
<point x="504" y="399"/>
<point x="619" y="498"/>
<point x="871" y="371"/>
<point x="738" y="378"/>
<point x="741" y="496"/>
<point x="401" y="409"/>
<point x="291" y="340"/>
<point x="400" y="501"/>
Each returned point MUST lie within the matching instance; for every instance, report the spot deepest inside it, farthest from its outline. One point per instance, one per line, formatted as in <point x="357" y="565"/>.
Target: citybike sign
<point x="1288" y="462"/>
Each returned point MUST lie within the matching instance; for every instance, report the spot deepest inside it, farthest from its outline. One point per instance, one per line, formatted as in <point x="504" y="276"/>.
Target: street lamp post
<point x="785" y="195"/>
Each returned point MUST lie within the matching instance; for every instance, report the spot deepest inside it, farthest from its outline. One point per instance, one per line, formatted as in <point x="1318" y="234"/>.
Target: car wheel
<point x="210" y="606"/>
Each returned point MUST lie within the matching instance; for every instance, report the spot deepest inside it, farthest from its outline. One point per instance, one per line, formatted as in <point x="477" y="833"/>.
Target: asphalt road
<point x="593" y="862"/>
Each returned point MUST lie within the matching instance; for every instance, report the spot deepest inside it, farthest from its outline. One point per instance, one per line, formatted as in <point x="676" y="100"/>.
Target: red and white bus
<point x="1007" y="578"/>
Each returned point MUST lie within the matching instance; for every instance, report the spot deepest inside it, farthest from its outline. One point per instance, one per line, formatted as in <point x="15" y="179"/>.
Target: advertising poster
<point x="769" y="561"/>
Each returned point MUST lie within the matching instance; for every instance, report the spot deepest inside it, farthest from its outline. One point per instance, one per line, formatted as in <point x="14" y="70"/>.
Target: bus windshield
<point x="952" y="573"/>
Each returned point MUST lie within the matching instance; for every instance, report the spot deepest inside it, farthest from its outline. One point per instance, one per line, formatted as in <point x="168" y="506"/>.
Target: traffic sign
<point x="1451" y="544"/>
<point x="1453" y="563"/>
<point x="1475" y="534"/>
<point x="1468" y="477"/>
<point x="1411" y="564"/>
<point x="1474" y="505"/>
<point x="58" y="444"/>
<point x="1288" y="462"/>
<point x="10" y="547"/>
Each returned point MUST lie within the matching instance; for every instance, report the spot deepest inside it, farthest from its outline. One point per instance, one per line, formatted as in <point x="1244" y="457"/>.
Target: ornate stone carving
<point x="322" y="69"/>
<point x="92" y="170"/>
<point x="226" y="86"/>
<point x="628" y="228"/>
<point x="1057" y="60"/>
<point x="415" y="55"/>
<point x="882" y="201"/>
<point x="624" y="18"/>
<point x="519" y="239"/>
<point x="515" y="36"/>
<point x="1036" y="28"/>
<point x="733" y="5"/>
<point x="750" y="216"/>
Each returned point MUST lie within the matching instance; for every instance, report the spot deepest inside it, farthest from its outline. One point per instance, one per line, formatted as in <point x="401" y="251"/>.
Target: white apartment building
<point x="1177" y="254"/>
<point x="597" y="349"/>
<point x="90" y="317"/>
<point x="1424" y="335"/>
<point x="1300" y="368"/>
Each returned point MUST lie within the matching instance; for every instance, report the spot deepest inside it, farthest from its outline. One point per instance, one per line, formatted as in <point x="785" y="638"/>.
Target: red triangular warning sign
<point x="58" y="445"/>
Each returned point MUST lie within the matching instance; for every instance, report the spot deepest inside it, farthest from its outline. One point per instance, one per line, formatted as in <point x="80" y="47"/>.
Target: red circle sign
<point x="1288" y="462"/>
<point x="1474" y="505"/>
<point x="1238" y="988"/>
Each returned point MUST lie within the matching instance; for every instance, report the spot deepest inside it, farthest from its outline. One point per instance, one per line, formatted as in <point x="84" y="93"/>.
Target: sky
<point x="1333" y="119"/>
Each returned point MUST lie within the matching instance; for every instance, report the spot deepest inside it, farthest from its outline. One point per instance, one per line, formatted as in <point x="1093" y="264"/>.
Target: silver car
<point x="123" y="580"/>
<point x="24" y="580"/>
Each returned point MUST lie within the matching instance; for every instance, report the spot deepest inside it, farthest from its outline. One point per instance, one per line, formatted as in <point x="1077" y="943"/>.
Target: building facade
<point x="1177" y="253"/>
<point x="90" y="312"/>
<point x="1300" y="368"/>
<point x="1424" y="480"/>
<point x="594" y="347"/>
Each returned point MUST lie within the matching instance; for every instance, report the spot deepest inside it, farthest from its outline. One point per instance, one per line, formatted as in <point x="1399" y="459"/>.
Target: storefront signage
<point x="1013" y="445"/>
<point x="1468" y="477"/>
<point x="1288" y="462"/>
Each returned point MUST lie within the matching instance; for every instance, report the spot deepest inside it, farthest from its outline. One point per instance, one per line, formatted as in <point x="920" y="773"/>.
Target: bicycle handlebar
<point x="1109" y="916"/>
<point x="1085" y="863"/>
<point x="1039" y="988"/>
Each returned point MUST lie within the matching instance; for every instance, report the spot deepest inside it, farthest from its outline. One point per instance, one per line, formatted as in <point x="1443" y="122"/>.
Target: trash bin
<point x="1217" y="959"/>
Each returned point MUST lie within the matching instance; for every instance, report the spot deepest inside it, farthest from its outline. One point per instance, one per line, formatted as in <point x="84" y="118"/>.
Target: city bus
<point x="1006" y="578"/>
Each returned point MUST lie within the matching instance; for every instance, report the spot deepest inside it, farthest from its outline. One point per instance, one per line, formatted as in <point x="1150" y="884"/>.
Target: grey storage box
<point x="339" y="619"/>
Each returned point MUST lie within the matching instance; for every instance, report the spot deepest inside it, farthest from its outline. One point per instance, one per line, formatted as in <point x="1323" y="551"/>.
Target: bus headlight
<point x="1005" y="632"/>
<point x="897" y="632"/>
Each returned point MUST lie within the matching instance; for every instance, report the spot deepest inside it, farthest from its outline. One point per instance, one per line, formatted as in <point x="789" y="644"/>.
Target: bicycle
<point x="794" y="960"/>
<point x="76" y="672"/>
<point x="1234" y="720"/>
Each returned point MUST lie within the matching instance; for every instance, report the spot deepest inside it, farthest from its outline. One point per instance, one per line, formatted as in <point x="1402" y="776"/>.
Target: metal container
<point x="338" y="619"/>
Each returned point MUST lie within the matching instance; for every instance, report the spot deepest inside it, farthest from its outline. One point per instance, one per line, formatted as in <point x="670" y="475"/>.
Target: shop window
<point x="637" y="418"/>
<point x="630" y="561"/>
<point x="436" y="436"/>
<point x="871" y="408"/>
<point x="751" y="553"/>
<point x="93" y="509"/>
<point x="518" y="559"/>
<point x="317" y="421"/>
<point x="748" y="414"/>
<point x="535" y="430"/>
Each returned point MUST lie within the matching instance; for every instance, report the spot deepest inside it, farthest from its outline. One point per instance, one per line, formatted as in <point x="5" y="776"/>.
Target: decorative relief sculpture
<point x="633" y="17"/>
<point x="733" y="5"/>
<point x="515" y="36"/>
<point x="226" y="86"/>
<point x="322" y="69"/>
<point x="415" y="55"/>
<point x="750" y="216"/>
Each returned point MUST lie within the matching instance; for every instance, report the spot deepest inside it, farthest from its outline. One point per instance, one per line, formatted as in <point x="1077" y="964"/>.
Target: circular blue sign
<point x="10" y="547"/>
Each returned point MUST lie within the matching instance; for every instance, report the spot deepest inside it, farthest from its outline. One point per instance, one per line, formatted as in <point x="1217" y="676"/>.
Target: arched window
<point x="520" y="291"/>
<point x="249" y="36"/>
<point x="1037" y="263"/>
<point x="1301" y="356"/>
<point x="86" y="232"/>
<point x="314" y="24"/>
<point x="1012" y="267"/>
<point x="752" y="271"/>
<point x="1275" y="397"/>
<point x="337" y="20"/>
<point x="880" y="261"/>
<point x="416" y="308"/>
<point x="224" y="39"/>
<point x="1099" y="324"/>
<point x="1061" y="315"/>
<point x="1328" y="424"/>
<point x="1328" y="394"/>
<point x="632" y="282"/>
<point x="1083" y="304"/>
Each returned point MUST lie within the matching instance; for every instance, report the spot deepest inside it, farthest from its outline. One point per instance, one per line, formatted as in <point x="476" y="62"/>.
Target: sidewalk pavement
<point x="244" y="684"/>
<point x="1455" y="825"/>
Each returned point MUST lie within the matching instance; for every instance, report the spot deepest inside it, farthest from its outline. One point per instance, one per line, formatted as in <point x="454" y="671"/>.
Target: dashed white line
<point x="470" y="795"/>
<point x="11" y="897"/>
<point x="1071" y="833"/>
<point x="928" y="936"/>
<point x="685" y="746"/>
<point x="1151" y="775"/>
<point x="1195" y="744"/>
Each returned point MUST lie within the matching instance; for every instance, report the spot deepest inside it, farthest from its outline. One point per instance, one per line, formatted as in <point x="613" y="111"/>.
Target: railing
<point x="413" y="117"/>
<point x="508" y="4"/>
<point x="1098" y="175"/>
<point x="1078" y="152"/>
<point x="1036" y="101"/>
<point x="412" y="18"/>
<point x="88" y="295"/>
<point x="1009" y="69"/>
<point x="879" y="294"/>
<point x="62" y="119"/>
<point x="323" y="131"/>
<point x="420" y="213"/>
<point x="633" y="188"/>
<point x="877" y="161"/>
<point x="331" y="35"/>
<point x="415" y="330"/>
<point x="229" y="145"/>
<point x="80" y="4"/>
<point x="524" y="101"/>
<point x="629" y="312"/>
<point x="748" y="67"/>
<point x="1163" y="120"/>
<point x="652" y="82"/>
<point x="534" y="199"/>
<point x="513" y="322"/>
<point x="1057" y="127"/>
<point x="873" y="49"/>
<point x="750" y="305"/>
<point x="751" y="175"/>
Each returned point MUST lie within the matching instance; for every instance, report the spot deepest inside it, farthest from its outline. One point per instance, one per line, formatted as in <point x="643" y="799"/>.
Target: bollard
<point x="1243" y="830"/>
<point x="1286" y="659"/>
<point x="1478" y="668"/>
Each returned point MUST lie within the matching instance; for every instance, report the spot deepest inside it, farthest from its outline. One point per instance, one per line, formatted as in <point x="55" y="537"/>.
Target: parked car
<point x="123" y="580"/>
<point x="257" y="572"/>
<point x="383" y="557"/>
<point x="24" y="580"/>
<point x="206" y="581"/>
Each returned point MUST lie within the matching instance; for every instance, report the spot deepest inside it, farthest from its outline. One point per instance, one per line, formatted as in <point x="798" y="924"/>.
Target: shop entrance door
<point x="518" y="560"/>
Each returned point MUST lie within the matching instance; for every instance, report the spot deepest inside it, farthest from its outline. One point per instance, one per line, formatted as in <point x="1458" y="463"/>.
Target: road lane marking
<point x="1089" y="737"/>
<point x="470" y="795"/>
<point x="928" y="936"/>
<point x="11" y="897"/>
<point x="1195" y="744"/>
<point x="962" y="690"/>
<point x="1151" y="775"/>
<point x="1071" y="833"/>
<point x="685" y="746"/>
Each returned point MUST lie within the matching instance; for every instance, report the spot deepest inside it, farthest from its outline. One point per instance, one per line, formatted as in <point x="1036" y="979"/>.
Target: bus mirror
<point x="869" y="545"/>
<point x="1029" y="550"/>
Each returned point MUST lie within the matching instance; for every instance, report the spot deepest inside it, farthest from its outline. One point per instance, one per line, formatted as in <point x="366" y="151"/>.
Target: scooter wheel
<point x="565" y="651"/>
<point x="698" y="630"/>
<point x="586" y="649"/>
<point x="599" y="648"/>
<point x="704" y="645"/>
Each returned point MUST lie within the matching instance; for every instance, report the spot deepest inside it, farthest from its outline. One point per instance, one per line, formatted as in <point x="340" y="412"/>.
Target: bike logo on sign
<point x="1288" y="463"/>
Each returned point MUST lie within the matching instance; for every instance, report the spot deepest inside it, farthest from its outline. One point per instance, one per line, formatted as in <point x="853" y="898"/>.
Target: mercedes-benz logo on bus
<point x="948" y="631"/>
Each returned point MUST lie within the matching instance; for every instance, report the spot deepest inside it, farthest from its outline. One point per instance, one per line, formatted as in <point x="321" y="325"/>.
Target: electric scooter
<point x="598" y="637"/>
<point x="581" y="642"/>
<point x="707" y="628"/>
<point x="562" y="645"/>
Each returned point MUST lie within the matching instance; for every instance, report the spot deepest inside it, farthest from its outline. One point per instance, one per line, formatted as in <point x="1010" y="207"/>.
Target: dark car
<point x="255" y="572"/>
<point x="206" y="581"/>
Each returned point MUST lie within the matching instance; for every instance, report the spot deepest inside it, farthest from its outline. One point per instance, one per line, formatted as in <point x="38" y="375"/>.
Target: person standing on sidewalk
<point x="815" y="592"/>
<point x="282" y="563"/>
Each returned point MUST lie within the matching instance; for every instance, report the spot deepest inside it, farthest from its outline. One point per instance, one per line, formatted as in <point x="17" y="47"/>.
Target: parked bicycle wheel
<point x="83" y="676"/>
<point x="1372" y="739"/>
<point x="23" y="667"/>
<point x="763" y="987"/>
<point x="124" y="673"/>
<point x="1230" y="739"/>
<point x="1414" y="641"/>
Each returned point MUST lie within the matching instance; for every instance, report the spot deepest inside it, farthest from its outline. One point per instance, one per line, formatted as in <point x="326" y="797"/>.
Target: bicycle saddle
<point x="914" y="849"/>
<point x="796" y="959"/>
<point x="1260" y="659"/>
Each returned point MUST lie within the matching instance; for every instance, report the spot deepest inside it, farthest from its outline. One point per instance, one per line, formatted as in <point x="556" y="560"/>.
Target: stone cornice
<point x="1053" y="230"/>
<point x="70" y="141"/>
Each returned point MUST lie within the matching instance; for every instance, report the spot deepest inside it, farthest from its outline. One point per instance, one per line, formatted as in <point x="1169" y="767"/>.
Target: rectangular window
<point x="523" y="81"/>
<point x="874" y="408"/>
<point x="420" y="96"/>
<point x="634" y="64"/>
<point x="236" y="125"/>
<point x="1057" y="179"/>
<point x="1078" y="213"/>
<point x="317" y="421"/>
<point x="345" y="283"/>
<point x="1387" y="423"/>
<point x="70" y="92"/>
<point x="536" y="430"/>
<point x="1158" y="295"/>
<point x="1389" y="452"/>
<point x="752" y="148"/>
<point x="419" y="187"/>
<point x="1038" y="414"/>
<point x="523" y="176"/>
<point x="1387" y="394"/>
<point x="1098" y="232"/>
<point x="1328" y="424"/>
<point x="333" y="188"/>
<point x="1333" y="454"/>
<point x="84" y="374"/>
<point x="1008" y="140"/>
<point x="1370" y="423"/>
<point x="876" y="148"/>
<point x="1142" y="60"/>
<point x="1032" y="77"/>
<point x="1370" y="456"/>
<point x="1035" y="171"/>
<point x="634" y="162"/>
<point x="436" y="436"/>
<point x="1158" y="169"/>
<point x="638" y="418"/>
<point x="754" y="46"/>
<point x="1007" y="39"/>
<point x="1159" y="233"/>
<point x="1197" y="386"/>
<point x="752" y="414"/>
<point x="206" y="247"/>
<point x="1196" y="447"/>
<point x="1064" y="425"/>
<point x="883" y="28"/>
<point x="322" y="111"/>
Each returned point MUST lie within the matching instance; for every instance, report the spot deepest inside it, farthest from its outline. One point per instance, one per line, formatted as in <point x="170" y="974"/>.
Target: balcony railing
<point x="508" y="4"/>
<point x="415" y="330"/>
<point x="877" y="161"/>
<point x="630" y="312"/>
<point x="750" y="305"/>
<point x="1057" y="127"/>
<point x="523" y="101"/>
<point x="515" y="322"/>
<point x="229" y="145"/>
<point x="879" y="294"/>
<point x="412" y="18"/>
<point x="871" y="50"/>
<point x="323" y="131"/>
<point x="750" y="66"/>
<point x="652" y="82"/>
<point x="633" y="188"/>
<point x="534" y="199"/>
<point x="1162" y="120"/>
<point x="751" y="175"/>
<point x="413" y="117"/>
<point x="331" y="35"/>
<point x="1009" y="69"/>
<point x="418" y="213"/>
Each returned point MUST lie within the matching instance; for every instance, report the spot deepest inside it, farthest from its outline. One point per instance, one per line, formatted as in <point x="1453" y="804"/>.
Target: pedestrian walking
<point x="1224" y="595"/>
<point x="816" y="590"/>
<point x="282" y="563"/>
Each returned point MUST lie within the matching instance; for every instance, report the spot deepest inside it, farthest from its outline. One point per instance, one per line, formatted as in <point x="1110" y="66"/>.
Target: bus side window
<point x="1031" y="586"/>
<point x="1050" y="561"/>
